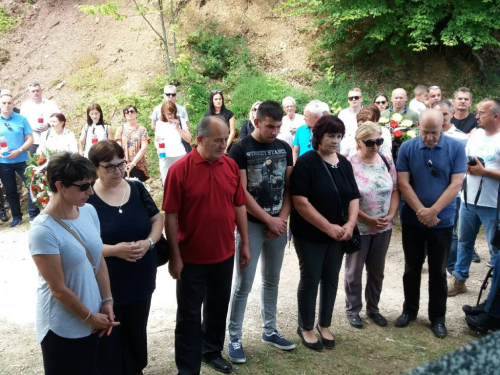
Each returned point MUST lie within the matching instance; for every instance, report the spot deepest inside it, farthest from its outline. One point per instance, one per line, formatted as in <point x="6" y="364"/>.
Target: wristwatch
<point x="151" y="242"/>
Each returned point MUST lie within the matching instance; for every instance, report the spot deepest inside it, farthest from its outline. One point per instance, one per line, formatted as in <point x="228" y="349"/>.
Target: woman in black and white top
<point x="94" y="130"/>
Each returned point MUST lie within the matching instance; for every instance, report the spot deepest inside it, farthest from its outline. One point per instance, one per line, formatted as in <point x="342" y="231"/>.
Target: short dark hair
<point x="68" y="168"/>
<point x="97" y="107"/>
<point x="104" y="151"/>
<point x="327" y="125"/>
<point x="60" y="117"/>
<point x="127" y="107"/>
<point x="445" y="102"/>
<point x="271" y="109"/>
<point x="380" y="94"/>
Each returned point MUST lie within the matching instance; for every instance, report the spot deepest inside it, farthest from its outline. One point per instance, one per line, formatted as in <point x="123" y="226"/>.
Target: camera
<point x="472" y="161"/>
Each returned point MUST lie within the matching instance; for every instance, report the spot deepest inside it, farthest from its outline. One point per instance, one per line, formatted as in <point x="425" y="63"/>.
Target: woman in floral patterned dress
<point x="376" y="178"/>
<point x="133" y="137"/>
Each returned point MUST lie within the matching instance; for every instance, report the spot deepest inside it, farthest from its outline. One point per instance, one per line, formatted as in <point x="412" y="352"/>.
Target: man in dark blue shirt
<point x="430" y="168"/>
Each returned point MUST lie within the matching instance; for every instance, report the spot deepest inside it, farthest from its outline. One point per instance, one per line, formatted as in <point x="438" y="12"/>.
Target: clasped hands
<point x="276" y="226"/>
<point x="341" y="233"/>
<point x="428" y="217"/>
<point x="131" y="251"/>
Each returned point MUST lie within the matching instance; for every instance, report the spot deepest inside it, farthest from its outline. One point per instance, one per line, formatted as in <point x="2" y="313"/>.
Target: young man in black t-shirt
<point x="265" y="164"/>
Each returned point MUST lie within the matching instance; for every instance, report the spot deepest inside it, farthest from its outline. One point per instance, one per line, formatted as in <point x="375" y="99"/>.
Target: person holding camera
<point x="480" y="193"/>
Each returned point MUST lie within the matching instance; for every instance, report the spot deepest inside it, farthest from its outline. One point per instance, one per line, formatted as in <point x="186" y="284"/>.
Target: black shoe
<point x="314" y="346"/>
<point x="219" y="364"/>
<point x="482" y="323"/>
<point x="475" y="257"/>
<point x="474" y="310"/>
<point x="378" y="319"/>
<point x="329" y="344"/>
<point x="403" y="320"/>
<point x="439" y="330"/>
<point x="355" y="321"/>
<point x="3" y="216"/>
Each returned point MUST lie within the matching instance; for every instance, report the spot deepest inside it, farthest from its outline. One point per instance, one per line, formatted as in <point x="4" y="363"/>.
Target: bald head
<point x="398" y="99"/>
<point x="212" y="135"/>
<point x="430" y="125"/>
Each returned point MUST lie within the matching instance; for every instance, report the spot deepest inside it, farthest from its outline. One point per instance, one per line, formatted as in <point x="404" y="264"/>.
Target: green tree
<point x="145" y="8"/>
<point x="399" y="27"/>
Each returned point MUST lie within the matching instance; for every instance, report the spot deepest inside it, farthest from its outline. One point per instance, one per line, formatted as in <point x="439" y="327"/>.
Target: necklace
<point x="123" y="197"/>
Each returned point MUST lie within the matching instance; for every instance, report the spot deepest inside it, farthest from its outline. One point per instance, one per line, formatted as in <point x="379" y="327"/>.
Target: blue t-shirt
<point x="448" y="158"/>
<point x="303" y="139"/>
<point x="15" y="137"/>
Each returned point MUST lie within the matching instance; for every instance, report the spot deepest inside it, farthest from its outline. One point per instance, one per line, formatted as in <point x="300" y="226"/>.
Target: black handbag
<point x="186" y="145"/>
<point x="162" y="250"/>
<point x="495" y="241"/>
<point x="354" y="244"/>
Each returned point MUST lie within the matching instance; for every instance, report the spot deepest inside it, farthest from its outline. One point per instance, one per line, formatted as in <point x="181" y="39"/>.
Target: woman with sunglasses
<point x="74" y="303"/>
<point x="130" y="226"/>
<point x="170" y="131"/>
<point x="217" y="108"/>
<point x="381" y="101"/>
<point x="319" y="229"/>
<point x="57" y="137"/>
<point x="134" y="139"/>
<point x="248" y="126"/>
<point x="94" y="130"/>
<point x="376" y="178"/>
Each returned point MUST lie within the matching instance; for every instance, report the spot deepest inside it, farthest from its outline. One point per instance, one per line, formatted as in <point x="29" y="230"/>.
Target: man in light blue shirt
<point x="303" y="136"/>
<point x="17" y="132"/>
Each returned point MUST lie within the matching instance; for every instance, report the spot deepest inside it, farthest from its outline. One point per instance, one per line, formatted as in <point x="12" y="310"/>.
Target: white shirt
<point x="181" y="111"/>
<point x="351" y="125"/>
<point x="287" y="125"/>
<point x="417" y="106"/>
<point x="172" y="138"/>
<point x="33" y="111"/>
<point x="54" y="142"/>
<point x="101" y="131"/>
<point x="488" y="148"/>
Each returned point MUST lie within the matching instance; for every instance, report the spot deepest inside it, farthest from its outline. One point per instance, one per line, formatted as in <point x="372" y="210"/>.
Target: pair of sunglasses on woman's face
<point x="373" y="142"/>
<point x="84" y="187"/>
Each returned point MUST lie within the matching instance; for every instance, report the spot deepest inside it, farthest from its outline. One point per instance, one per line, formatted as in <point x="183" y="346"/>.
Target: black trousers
<point x="319" y="262"/>
<point x="438" y="246"/>
<point x="63" y="356"/>
<point x="208" y="285"/>
<point x="125" y="351"/>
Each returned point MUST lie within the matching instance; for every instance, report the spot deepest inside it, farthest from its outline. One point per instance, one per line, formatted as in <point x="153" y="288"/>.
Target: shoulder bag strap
<point x="498" y="208"/>
<point x="334" y="184"/>
<point x="385" y="161"/>
<point x="63" y="224"/>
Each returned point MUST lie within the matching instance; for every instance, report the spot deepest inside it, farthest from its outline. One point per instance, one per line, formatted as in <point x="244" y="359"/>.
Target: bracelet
<point x="88" y="316"/>
<point x="107" y="299"/>
<point x="20" y="150"/>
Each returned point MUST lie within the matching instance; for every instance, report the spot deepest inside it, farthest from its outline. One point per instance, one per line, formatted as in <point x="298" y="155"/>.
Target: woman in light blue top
<point x="74" y="303"/>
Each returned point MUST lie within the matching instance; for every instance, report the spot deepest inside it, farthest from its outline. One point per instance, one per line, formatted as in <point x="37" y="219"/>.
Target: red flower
<point x="394" y="124"/>
<point x="32" y="173"/>
<point x="41" y="160"/>
<point x="398" y="133"/>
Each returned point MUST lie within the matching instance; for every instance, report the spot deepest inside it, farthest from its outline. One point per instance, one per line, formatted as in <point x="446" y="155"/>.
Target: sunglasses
<point x="381" y="102"/>
<point x="433" y="170"/>
<point x="170" y="94"/>
<point x="353" y="98"/>
<point x="85" y="187"/>
<point x="254" y="109"/>
<point x="129" y="111"/>
<point x="216" y="91"/>
<point x="8" y="126"/>
<point x="373" y="142"/>
<point x="309" y="144"/>
<point x="111" y="168"/>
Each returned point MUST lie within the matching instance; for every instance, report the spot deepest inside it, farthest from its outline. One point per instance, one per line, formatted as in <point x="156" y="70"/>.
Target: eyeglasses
<point x="309" y="144"/>
<point x="111" y="168"/>
<point x="85" y="187"/>
<point x="216" y="91"/>
<point x="433" y="170"/>
<point x="129" y="111"/>
<point x="170" y="94"/>
<point x="350" y="98"/>
<point x="8" y="126"/>
<point x="373" y="142"/>
<point x="381" y="102"/>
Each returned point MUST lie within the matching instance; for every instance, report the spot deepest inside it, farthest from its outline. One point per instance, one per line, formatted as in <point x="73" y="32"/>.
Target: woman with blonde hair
<point x="248" y="126"/>
<point x="376" y="177"/>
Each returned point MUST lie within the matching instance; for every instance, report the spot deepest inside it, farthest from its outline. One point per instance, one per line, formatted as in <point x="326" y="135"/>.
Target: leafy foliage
<point x="6" y="21"/>
<point x="110" y="8"/>
<point x="397" y="27"/>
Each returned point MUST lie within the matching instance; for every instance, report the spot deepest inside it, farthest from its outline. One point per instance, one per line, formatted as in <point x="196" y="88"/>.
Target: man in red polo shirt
<point x="203" y="200"/>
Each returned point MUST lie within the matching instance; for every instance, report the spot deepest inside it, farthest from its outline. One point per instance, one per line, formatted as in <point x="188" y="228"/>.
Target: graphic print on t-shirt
<point x="266" y="178"/>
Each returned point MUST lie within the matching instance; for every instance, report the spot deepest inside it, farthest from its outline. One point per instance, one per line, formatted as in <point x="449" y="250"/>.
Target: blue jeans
<point x="452" y="256"/>
<point x="468" y="228"/>
<point x="8" y="177"/>
<point x="271" y="252"/>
